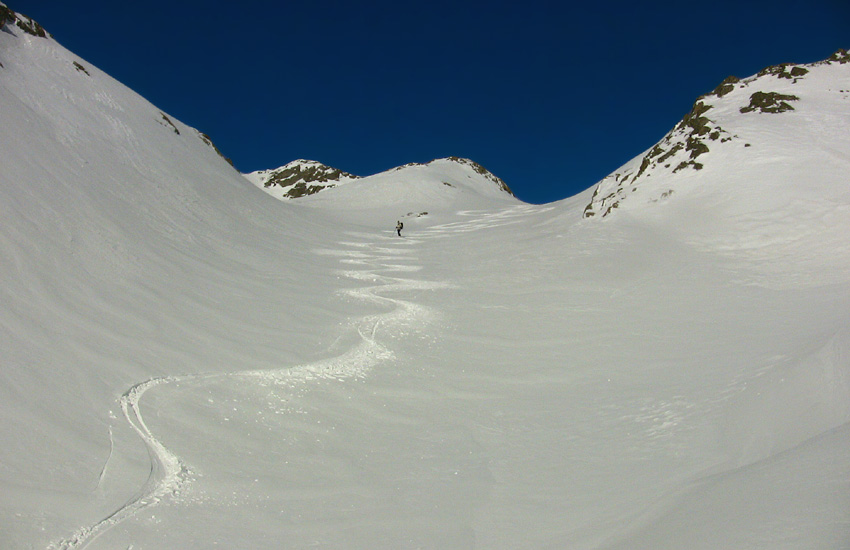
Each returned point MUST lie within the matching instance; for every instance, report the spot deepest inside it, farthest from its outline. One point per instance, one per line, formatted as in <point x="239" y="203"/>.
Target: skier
<point x="398" y="227"/>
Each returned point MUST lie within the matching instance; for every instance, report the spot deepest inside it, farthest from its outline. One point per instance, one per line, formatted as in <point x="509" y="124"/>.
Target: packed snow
<point x="188" y="362"/>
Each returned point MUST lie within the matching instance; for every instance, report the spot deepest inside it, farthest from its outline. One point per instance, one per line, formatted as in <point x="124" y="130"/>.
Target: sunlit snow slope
<point x="189" y="363"/>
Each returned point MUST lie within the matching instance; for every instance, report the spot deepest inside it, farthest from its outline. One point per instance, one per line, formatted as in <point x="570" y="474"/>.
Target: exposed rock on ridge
<point x="23" y="22"/>
<point x="484" y="172"/>
<point x="699" y="132"/>
<point x="299" y="178"/>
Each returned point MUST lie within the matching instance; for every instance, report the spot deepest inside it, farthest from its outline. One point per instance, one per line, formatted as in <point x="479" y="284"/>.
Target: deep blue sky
<point x="549" y="96"/>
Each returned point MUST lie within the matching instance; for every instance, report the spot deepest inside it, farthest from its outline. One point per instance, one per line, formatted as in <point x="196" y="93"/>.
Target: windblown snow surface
<point x="189" y="363"/>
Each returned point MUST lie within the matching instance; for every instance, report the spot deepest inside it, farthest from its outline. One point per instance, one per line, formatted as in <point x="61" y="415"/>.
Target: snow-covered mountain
<point x="186" y="362"/>
<point x="772" y="112"/>
<point x="446" y="184"/>
<point x="301" y="178"/>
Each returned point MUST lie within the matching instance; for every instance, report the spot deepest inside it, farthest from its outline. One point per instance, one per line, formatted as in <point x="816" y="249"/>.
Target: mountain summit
<point x="298" y="178"/>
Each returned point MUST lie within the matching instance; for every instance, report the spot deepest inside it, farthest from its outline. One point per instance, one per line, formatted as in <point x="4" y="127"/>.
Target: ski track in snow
<point x="169" y="474"/>
<point x="484" y="219"/>
<point x="106" y="462"/>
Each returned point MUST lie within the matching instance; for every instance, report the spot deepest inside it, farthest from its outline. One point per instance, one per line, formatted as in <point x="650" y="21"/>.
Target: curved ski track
<point x="169" y="474"/>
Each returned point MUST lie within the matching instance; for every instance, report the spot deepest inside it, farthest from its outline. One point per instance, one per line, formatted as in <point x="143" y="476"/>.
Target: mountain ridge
<point x="684" y="149"/>
<point x="441" y="185"/>
<point x="26" y="24"/>
<point x="769" y="92"/>
<point x="301" y="178"/>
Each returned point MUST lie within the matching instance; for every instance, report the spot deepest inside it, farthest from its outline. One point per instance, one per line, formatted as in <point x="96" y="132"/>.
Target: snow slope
<point x="189" y="363"/>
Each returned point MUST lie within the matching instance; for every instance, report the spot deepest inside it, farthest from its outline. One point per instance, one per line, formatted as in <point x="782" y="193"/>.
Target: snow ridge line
<point x="169" y="474"/>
